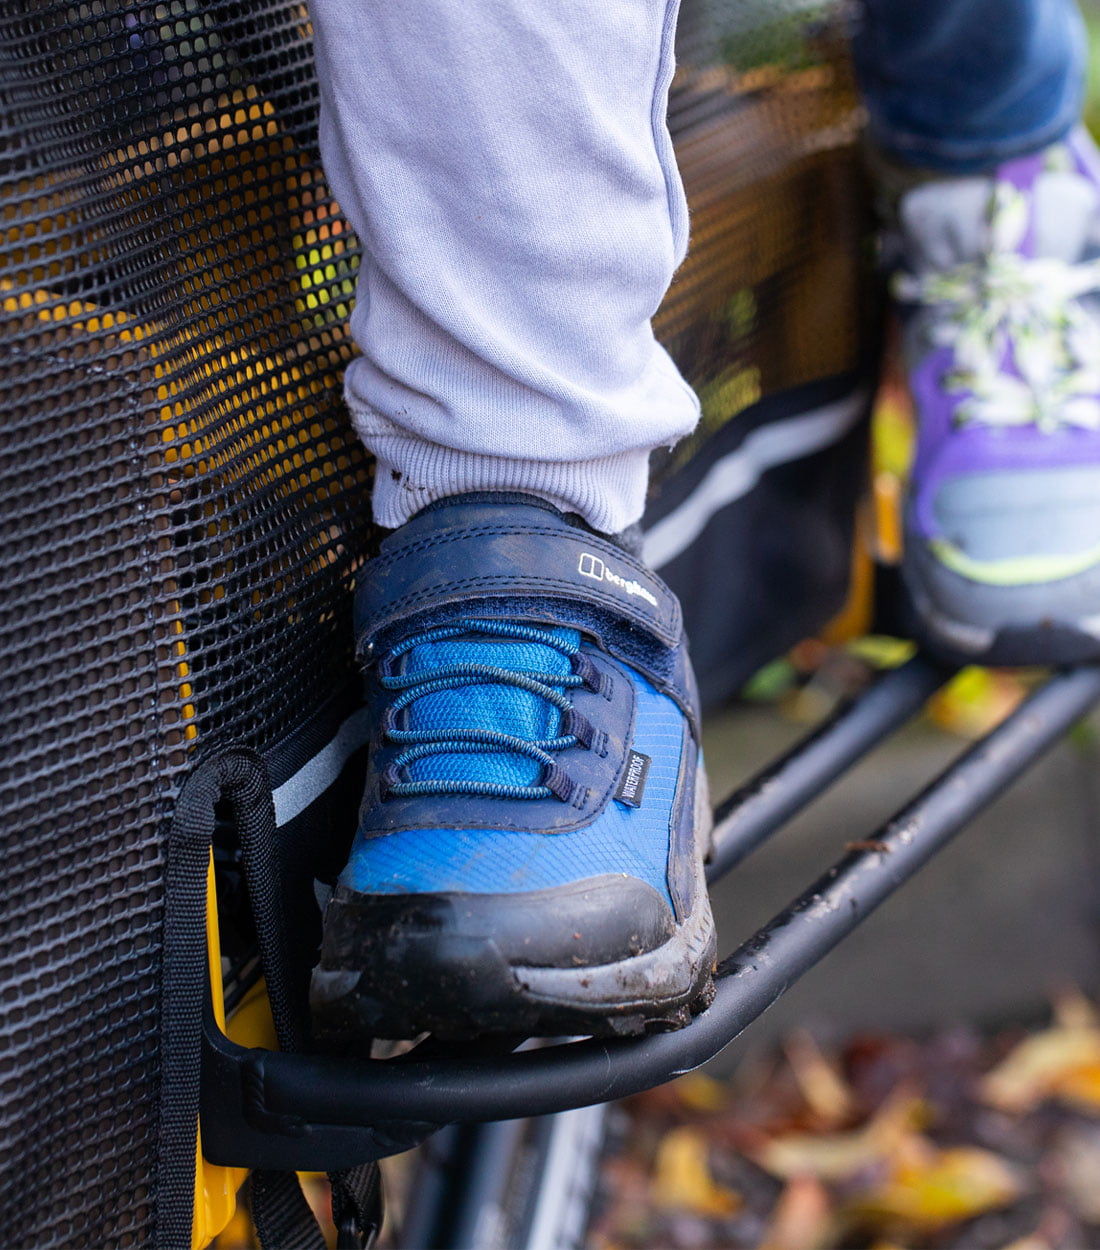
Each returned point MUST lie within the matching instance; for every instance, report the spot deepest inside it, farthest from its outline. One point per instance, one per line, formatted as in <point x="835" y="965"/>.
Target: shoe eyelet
<point x="579" y="727"/>
<point x="386" y="782"/>
<point x="593" y="679"/>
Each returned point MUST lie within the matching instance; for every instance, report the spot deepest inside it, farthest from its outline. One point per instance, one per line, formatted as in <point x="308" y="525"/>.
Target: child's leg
<point x="960" y="85"/>
<point x="509" y="172"/>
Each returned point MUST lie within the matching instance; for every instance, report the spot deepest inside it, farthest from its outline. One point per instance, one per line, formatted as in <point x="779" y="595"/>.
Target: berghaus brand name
<point x="592" y="566"/>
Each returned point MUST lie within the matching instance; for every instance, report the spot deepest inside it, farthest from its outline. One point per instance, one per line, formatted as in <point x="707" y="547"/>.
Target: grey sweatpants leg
<point x="509" y="172"/>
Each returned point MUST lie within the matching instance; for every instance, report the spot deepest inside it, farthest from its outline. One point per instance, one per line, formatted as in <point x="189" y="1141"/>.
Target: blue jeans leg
<point x="961" y="85"/>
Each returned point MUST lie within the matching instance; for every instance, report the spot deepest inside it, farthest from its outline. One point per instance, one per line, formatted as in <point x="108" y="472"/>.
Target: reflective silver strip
<point x="318" y="773"/>
<point x="568" y="1178"/>
<point x="736" y="474"/>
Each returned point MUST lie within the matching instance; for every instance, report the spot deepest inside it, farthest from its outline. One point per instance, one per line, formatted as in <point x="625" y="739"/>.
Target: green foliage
<point x="1091" y="14"/>
<point x="782" y="39"/>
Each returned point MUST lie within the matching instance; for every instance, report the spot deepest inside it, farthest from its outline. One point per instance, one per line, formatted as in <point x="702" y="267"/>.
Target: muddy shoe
<point x="529" y="855"/>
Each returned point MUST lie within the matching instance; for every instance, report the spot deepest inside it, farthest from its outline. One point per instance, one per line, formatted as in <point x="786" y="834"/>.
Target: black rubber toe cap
<point x="585" y="923"/>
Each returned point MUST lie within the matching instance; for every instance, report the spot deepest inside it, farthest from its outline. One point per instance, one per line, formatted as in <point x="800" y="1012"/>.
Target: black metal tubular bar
<point x="539" y="1082"/>
<point x="762" y="805"/>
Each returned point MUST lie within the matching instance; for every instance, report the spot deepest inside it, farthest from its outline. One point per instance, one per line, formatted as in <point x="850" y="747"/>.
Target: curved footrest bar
<point x="309" y="1108"/>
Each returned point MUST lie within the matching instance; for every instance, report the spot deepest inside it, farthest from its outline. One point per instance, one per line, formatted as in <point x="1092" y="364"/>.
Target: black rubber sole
<point x="601" y="957"/>
<point x="1050" y="644"/>
<point x="1046" y="643"/>
<point x="342" y="1024"/>
<point x="458" y="986"/>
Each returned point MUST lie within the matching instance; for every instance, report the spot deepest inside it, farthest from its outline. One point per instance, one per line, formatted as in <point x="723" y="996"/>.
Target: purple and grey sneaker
<point x="1001" y="340"/>
<point x="529" y="858"/>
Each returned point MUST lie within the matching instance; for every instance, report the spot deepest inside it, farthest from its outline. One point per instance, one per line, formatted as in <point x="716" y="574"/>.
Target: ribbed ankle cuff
<point x="609" y="493"/>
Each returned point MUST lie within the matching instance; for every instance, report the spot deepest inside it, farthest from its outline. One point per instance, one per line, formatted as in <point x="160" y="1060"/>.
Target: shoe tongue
<point x="946" y="223"/>
<point x="486" y="705"/>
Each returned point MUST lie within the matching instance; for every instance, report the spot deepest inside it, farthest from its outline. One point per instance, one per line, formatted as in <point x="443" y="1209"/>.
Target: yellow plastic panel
<point x="251" y="1025"/>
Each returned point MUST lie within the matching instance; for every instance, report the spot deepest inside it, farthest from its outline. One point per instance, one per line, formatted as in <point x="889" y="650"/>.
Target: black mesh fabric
<point x="183" y="505"/>
<point x="182" y="502"/>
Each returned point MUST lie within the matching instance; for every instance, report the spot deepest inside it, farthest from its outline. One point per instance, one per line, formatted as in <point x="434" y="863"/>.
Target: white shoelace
<point x="1007" y="303"/>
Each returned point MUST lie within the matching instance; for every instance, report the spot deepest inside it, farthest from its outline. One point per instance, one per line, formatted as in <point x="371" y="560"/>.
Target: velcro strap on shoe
<point x="481" y="553"/>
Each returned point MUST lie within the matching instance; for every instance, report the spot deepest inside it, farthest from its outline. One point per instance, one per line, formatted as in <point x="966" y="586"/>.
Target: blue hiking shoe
<point x="529" y="858"/>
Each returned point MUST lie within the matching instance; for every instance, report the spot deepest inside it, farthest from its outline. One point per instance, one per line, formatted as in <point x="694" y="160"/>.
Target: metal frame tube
<point x="761" y="806"/>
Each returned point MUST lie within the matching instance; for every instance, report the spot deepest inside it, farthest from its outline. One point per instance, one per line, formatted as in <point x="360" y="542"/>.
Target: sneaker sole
<point x="1048" y="643"/>
<point x="959" y="620"/>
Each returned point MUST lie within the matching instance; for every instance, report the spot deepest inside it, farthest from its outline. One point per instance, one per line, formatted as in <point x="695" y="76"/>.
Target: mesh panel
<point x="182" y="501"/>
<point x="765" y="115"/>
<point x="506" y="709"/>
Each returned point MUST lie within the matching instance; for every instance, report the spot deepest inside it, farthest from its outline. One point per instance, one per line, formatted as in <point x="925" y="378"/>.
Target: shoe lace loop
<point x="1008" y="307"/>
<point x="423" y="743"/>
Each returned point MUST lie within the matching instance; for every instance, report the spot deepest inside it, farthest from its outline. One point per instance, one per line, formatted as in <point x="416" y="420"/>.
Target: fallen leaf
<point x="1072" y="1010"/>
<point x="825" y="1092"/>
<point x="932" y="1188"/>
<point x="802" y="1219"/>
<point x="682" y="1179"/>
<point x="1040" y="1066"/>
<point x="699" y="1092"/>
<point x="975" y="700"/>
<point x="1080" y="1088"/>
<point x="839" y="1156"/>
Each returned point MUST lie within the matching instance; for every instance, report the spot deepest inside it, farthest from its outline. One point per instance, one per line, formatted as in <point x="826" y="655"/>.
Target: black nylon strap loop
<point x="249" y="792"/>
<point x="240" y="777"/>
<point x="182" y="992"/>
<point x="357" y="1206"/>
<point x="283" y="1218"/>
<point x="281" y="1214"/>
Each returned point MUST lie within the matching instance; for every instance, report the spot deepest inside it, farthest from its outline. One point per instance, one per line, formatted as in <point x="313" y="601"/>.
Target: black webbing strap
<point x="280" y="1213"/>
<point x="357" y="1206"/>
<point x="284" y="1221"/>
<point x="282" y="1216"/>
<point x="183" y="988"/>
<point x="254" y="820"/>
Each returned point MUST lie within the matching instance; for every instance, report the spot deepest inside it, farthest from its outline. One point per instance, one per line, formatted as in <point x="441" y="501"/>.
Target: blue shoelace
<point x="422" y="742"/>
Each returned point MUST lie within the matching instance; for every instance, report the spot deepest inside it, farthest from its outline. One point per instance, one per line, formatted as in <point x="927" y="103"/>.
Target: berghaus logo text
<point x="592" y="566"/>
